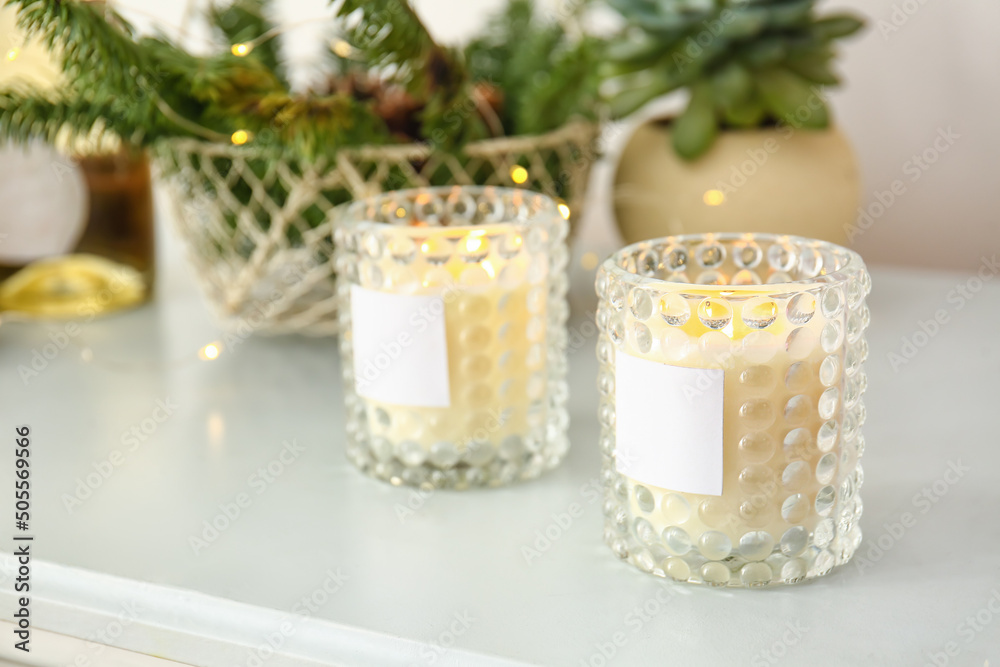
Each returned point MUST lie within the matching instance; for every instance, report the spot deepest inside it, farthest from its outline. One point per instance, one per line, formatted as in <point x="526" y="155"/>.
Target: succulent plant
<point x="747" y="63"/>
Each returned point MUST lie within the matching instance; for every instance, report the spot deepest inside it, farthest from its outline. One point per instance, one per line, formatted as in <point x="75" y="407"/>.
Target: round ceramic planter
<point x="776" y="180"/>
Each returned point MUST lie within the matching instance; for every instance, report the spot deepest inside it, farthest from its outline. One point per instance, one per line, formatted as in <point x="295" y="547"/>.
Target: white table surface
<point x="122" y="563"/>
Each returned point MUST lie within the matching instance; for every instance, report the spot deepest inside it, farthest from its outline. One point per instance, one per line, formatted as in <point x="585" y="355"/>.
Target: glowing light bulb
<point x="518" y="174"/>
<point x="241" y="49"/>
<point x="564" y="211"/>
<point x="240" y="137"/>
<point x="209" y="352"/>
<point x="13" y="53"/>
<point x="714" y="197"/>
<point x="341" y="48"/>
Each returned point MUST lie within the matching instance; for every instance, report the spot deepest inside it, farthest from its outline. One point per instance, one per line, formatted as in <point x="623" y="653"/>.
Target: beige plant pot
<point x="778" y="180"/>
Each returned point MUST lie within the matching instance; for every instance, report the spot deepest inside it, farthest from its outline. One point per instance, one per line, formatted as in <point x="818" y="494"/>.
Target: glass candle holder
<point x="731" y="381"/>
<point x="452" y="311"/>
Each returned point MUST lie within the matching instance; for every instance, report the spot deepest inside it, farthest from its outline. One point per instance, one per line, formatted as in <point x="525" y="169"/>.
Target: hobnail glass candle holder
<point x="731" y="378"/>
<point x="452" y="312"/>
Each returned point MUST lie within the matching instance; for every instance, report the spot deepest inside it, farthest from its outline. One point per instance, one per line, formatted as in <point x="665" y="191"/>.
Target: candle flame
<point x="474" y="242"/>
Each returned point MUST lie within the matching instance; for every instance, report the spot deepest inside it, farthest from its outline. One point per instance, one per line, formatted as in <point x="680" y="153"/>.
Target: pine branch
<point x="391" y="38"/>
<point x="150" y="89"/>
<point x="245" y="21"/>
<point x="390" y="35"/>
<point x="108" y="73"/>
<point x="567" y="87"/>
<point x="546" y="77"/>
<point x="95" y="44"/>
<point x="26" y="116"/>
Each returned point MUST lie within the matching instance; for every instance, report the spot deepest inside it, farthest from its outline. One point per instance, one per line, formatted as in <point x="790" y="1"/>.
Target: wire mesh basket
<point x="259" y="227"/>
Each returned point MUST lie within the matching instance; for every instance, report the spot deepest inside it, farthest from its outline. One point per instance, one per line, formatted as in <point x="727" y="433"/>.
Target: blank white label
<point x="669" y="425"/>
<point x="400" y="348"/>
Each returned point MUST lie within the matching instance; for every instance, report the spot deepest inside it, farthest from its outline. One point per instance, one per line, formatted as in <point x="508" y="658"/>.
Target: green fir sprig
<point x="746" y="63"/>
<point x="546" y="75"/>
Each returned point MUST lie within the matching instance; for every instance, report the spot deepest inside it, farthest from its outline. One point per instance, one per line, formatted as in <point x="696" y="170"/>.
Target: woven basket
<point x="259" y="228"/>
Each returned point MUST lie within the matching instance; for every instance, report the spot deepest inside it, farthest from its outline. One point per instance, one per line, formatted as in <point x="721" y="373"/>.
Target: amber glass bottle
<point x="76" y="222"/>
<point x="107" y="262"/>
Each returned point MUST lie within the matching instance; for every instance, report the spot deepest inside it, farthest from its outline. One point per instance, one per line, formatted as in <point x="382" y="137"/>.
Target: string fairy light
<point x="213" y="350"/>
<point x="342" y="48"/>
<point x="208" y="352"/>
<point x="714" y="197"/>
<point x="519" y="174"/>
<point x="241" y="49"/>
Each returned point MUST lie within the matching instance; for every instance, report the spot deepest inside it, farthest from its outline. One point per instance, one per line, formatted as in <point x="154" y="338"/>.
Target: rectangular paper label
<point x="669" y="425"/>
<point x="400" y="348"/>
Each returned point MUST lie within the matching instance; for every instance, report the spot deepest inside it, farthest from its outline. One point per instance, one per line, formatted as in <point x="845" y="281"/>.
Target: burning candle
<point x="731" y="381"/>
<point x="453" y="314"/>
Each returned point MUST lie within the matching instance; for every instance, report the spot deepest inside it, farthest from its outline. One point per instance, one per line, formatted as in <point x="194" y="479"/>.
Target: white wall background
<point x="923" y="66"/>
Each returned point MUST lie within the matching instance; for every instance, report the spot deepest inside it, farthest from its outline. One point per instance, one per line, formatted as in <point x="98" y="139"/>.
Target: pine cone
<point x="400" y="111"/>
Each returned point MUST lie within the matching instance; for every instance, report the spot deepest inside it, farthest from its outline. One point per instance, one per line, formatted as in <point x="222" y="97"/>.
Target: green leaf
<point x="747" y="114"/>
<point x="840" y="25"/>
<point x="743" y="22"/>
<point x="731" y="84"/>
<point x="629" y="100"/>
<point x="545" y="74"/>
<point x="643" y="50"/>
<point x="791" y="99"/>
<point x="691" y="59"/>
<point x="695" y="130"/>
<point x="816" y="69"/>
<point x="791" y="14"/>
<point x="809" y="46"/>
<point x="764" y="53"/>
<point x="666" y="23"/>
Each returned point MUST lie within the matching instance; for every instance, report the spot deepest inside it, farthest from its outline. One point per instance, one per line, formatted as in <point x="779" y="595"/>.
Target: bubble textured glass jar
<point x="772" y="327"/>
<point x="452" y="311"/>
